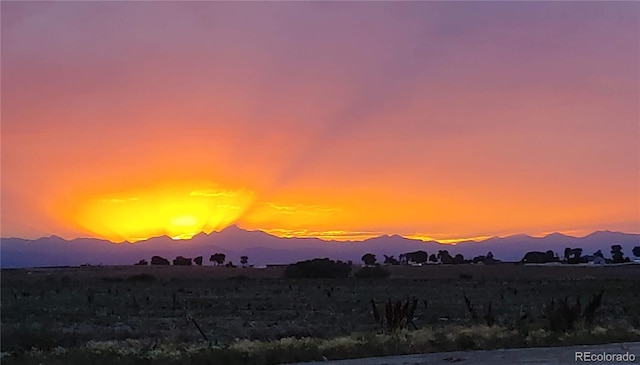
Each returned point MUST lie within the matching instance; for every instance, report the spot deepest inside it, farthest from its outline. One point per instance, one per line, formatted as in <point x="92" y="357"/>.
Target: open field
<point x="75" y="313"/>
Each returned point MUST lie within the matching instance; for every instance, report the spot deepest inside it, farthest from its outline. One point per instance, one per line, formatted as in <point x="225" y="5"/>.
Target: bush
<point x="182" y="261"/>
<point x="318" y="268"/>
<point x="375" y="272"/>
<point x="157" y="260"/>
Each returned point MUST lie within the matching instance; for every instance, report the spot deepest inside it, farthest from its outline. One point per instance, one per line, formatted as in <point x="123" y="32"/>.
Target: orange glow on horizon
<point x="181" y="210"/>
<point x="175" y="211"/>
<point x="331" y="235"/>
<point x="450" y="241"/>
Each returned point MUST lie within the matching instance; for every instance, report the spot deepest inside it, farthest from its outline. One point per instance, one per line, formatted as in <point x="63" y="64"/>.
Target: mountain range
<point x="263" y="248"/>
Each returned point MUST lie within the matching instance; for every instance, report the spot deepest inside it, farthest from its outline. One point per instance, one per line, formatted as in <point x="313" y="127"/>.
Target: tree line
<point x="218" y="259"/>
<point x="422" y="257"/>
<point x="418" y="258"/>
<point x="574" y="256"/>
<point x="571" y="256"/>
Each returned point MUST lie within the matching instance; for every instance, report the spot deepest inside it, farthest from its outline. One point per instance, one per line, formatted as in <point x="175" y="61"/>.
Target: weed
<point x="470" y="308"/>
<point x="396" y="314"/>
<point x="592" y="307"/>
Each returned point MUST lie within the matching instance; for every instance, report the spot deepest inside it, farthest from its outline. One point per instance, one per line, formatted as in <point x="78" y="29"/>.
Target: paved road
<point x="536" y="356"/>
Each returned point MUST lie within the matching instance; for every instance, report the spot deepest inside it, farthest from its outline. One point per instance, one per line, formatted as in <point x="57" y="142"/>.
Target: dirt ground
<point x="507" y="271"/>
<point x="538" y="356"/>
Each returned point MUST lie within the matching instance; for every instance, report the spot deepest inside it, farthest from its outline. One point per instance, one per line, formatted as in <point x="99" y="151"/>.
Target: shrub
<point x="157" y="260"/>
<point x="182" y="261"/>
<point x="318" y="268"/>
<point x="563" y="315"/>
<point x="375" y="272"/>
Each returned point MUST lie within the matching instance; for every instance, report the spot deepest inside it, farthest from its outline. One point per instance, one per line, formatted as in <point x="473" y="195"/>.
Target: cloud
<point x="214" y="193"/>
<point x="119" y="200"/>
<point x="301" y="208"/>
<point x="329" y="235"/>
<point x="430" y="237"/>
<point x="227" y="206"/>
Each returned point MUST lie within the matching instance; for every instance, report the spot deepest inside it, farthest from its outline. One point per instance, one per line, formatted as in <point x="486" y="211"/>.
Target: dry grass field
<point x="198" y="314"/>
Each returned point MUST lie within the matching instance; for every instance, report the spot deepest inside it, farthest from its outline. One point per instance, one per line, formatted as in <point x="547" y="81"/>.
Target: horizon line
<point x="415" y="237"/>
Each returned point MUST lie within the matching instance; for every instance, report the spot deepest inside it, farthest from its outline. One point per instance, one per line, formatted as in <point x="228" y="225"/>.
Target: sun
<point x="179" y="211"/>
<point x="184" y="227"/>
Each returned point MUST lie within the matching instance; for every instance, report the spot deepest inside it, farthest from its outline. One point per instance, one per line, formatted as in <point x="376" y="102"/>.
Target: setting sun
<point x="177" y="211"/>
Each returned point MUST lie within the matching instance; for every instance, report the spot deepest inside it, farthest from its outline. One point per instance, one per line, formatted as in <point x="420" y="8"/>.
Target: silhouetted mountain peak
<point x="234" y="228"/>
<point x="200" y="236"/>
<point x="602" y="233"/>
<point x="263" y="248"/>
<point x="520" y="236"/>
<point x="558" y="235"/>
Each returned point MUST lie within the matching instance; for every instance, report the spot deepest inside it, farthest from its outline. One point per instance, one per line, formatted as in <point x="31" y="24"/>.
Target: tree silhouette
<point x="318" y="268"/>
<point x="419" y="257"/>
<point x="157" y="260"/>
<point x="537" y="257"/>
<point x="369" y="259"/>
<point x="390" y="260"/>
<point x="445" y="257"/>
<point x="198" y="260"/>
<point x="433" y="258"/>
<point x="458" y="259"/>
<point x="180" y="260"/>
<point x="636" y="251"/>
<point x="577" y="252"/>
<point x="218" y="258"/>
<point x="244" y="260"/>
<point x="616" y="254"/>
<point x="479" y="259"/>
<point x="573" y="255"/>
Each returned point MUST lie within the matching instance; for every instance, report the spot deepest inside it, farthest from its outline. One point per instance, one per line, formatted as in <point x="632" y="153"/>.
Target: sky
<point x="432" y="120"/>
